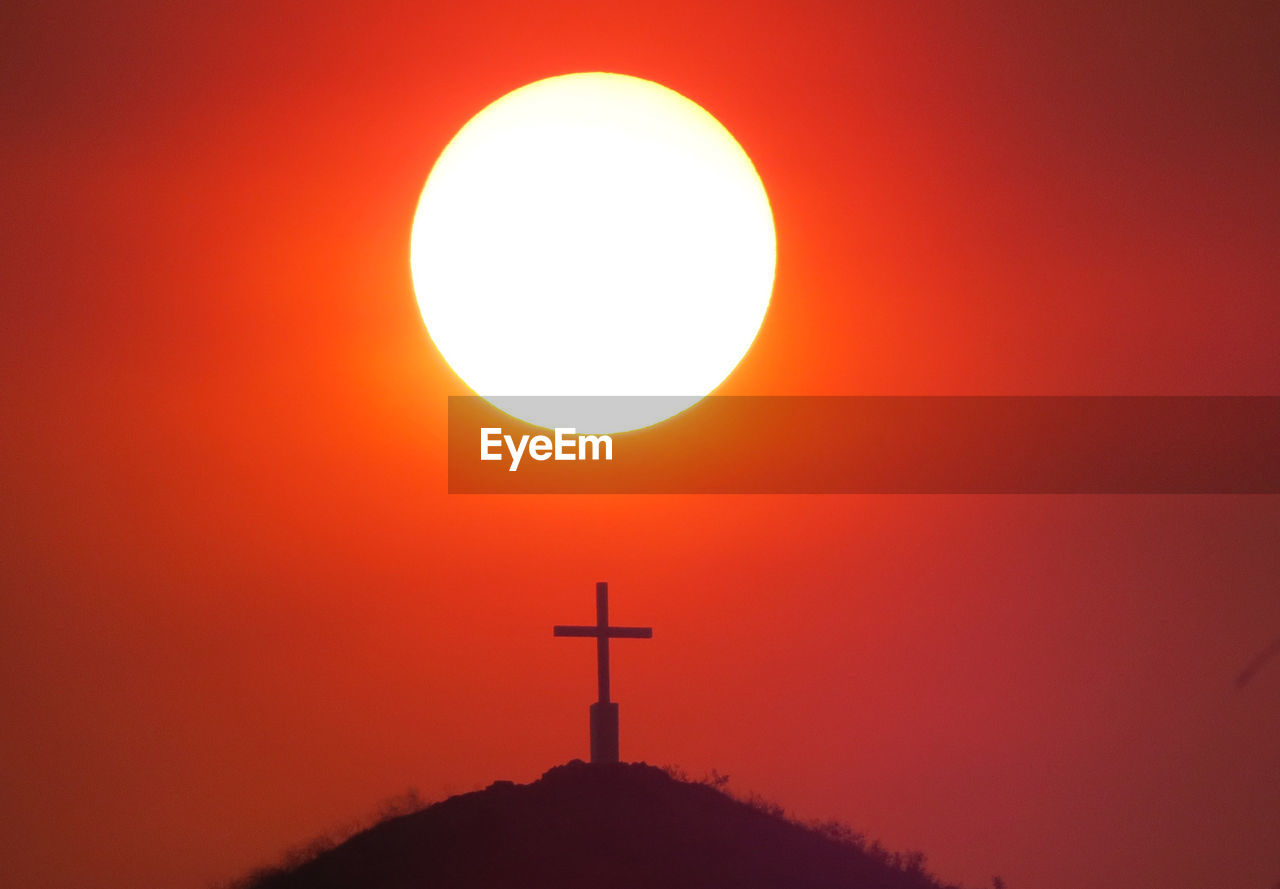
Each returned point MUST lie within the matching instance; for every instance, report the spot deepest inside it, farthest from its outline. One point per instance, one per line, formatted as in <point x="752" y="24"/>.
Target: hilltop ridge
<point x="623" y="826"/>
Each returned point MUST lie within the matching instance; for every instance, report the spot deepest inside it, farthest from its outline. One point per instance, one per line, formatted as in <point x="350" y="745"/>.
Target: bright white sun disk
<point x="593" y="234"/>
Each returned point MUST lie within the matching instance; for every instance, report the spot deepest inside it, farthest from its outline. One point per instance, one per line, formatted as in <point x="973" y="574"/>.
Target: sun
<point x="593" y="234"/>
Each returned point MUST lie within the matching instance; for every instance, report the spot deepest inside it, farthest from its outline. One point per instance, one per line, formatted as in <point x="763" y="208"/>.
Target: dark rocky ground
<point x="625" y="827"/>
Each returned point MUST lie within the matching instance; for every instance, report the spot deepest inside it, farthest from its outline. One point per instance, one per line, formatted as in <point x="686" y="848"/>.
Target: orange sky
<point x="239" y="610"/>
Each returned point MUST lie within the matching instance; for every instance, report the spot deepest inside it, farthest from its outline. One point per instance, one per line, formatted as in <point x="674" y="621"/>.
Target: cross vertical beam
<point x="602" y="641"/>
<point x="604" y="712"/>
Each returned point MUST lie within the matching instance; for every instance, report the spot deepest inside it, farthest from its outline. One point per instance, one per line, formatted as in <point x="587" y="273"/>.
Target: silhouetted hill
<point x="626" y="826"/>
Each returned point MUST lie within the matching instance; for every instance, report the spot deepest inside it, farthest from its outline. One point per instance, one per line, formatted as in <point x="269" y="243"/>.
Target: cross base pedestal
<point x="604" y="732"/>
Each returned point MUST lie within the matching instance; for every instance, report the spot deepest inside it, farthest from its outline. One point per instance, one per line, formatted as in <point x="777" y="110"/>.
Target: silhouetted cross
<point x="604" y="713"/>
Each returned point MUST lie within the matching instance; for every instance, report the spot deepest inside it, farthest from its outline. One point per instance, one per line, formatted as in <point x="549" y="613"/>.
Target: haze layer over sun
<point x="593" y="234"/>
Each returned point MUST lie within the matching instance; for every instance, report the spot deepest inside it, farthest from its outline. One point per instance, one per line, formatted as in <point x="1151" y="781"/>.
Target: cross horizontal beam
<point x="610" y="632"/>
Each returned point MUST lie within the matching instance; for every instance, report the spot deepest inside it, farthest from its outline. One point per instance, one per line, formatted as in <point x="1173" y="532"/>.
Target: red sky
<point x="239" y="609"/>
